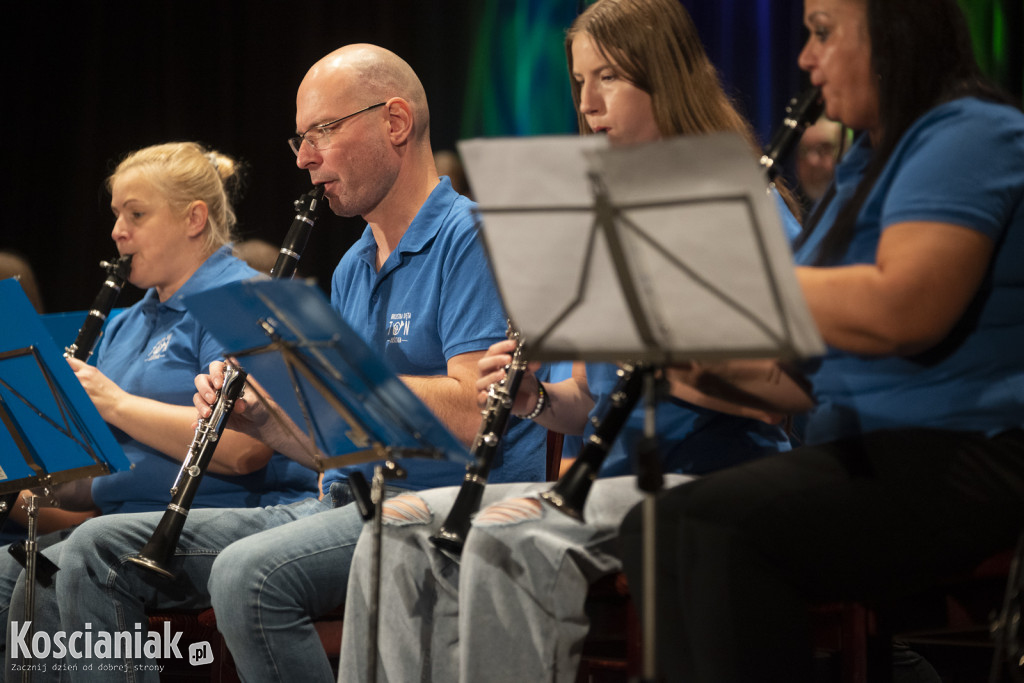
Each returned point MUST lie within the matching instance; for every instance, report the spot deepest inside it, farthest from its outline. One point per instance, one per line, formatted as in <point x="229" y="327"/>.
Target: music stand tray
<point x="52" y="431"/>
<point x="317" y="370"/>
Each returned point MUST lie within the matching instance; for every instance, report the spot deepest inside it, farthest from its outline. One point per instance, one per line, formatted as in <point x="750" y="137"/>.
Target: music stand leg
<point x="387" y="470"/>
<point x="31" y="548"/>
<point x="1007" y="653"/>
<point x="650" y="669"/>
<point x="649" y="480"/>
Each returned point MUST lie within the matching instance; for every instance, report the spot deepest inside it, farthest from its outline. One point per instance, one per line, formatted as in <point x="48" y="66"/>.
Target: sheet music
<point x="664" y="252"/>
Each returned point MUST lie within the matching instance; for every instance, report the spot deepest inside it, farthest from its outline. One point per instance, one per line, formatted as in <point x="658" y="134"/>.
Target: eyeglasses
<point x="319" y="136"/>
<point x="823" y="150"/>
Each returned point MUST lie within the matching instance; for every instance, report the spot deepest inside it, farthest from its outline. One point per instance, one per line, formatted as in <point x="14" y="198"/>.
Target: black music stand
<point x="324" y="377"/>
<point x="52" y="432"/>
<point x="658" y="254"/>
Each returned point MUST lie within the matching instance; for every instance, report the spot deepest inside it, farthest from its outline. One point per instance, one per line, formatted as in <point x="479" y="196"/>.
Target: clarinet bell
<point x="152" y="565"/>
<point x="157" y="552"/>
<point x="569" y="494"/>
<point x="449" y="540"/>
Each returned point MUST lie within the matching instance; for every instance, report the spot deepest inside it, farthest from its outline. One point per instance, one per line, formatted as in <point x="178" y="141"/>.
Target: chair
<point x="613" y="649"/>
<point x="192" y="630"/>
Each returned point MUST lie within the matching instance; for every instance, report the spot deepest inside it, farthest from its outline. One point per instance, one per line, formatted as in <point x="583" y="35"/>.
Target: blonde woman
<point x="173" y="214"/>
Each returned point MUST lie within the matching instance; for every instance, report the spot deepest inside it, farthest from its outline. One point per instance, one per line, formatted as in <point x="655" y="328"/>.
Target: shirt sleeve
<point x="470" y="315"/>
<point x="962" y="164"/>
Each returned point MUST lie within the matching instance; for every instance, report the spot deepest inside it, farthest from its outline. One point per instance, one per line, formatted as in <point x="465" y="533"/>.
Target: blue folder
<point x="285" y="334"/>
<point x="51" y="431"/>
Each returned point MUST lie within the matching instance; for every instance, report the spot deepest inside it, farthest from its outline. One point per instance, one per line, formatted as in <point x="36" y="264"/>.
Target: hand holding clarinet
<point x="498" y="405"/>
<point x="103" y="392"/>
<point x="494" y="367"/>
<point x="252" y="416"/>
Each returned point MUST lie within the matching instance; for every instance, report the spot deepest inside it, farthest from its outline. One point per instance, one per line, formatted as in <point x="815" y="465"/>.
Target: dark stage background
<point x="86" y="82"/>
<point x="91" y="81"/>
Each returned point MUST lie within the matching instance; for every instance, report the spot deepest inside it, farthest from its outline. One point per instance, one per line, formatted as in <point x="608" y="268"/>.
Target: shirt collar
<point x="423" y="229"/>
<point x="205" y="276"/>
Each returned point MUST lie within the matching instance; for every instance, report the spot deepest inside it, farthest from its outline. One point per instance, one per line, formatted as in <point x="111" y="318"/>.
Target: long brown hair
<point x="655" y="45"/>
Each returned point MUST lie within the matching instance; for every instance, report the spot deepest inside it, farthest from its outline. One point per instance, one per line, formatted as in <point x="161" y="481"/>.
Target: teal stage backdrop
<point x="517" y="82"/>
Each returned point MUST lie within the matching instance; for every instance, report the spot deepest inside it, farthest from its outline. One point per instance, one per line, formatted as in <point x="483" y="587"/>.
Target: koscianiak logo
<point x="37" y="650"/>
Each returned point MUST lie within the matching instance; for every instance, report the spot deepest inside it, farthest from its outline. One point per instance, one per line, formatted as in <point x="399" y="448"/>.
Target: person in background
<point x="259" y="254"/>
<point x="449" y="164"/>
<point x="815" y="160"/>
<point x="914" y="463"/>
<point x="13" y="264"/>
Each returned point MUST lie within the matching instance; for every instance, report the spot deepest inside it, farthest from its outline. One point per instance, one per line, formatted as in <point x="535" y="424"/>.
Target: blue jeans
<point x="268" y="588"/>
<point x="511" y="608"/>
<point x="98" y="589"/>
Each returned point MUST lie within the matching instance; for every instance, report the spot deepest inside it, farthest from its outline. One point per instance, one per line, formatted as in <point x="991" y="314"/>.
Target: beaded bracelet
<point x="542" y="403"/>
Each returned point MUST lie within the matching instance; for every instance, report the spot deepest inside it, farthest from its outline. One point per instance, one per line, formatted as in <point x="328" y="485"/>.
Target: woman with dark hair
<point x="913" y="466"/>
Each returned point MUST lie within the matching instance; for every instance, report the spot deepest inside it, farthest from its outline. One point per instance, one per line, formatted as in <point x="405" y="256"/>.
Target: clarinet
<point x="500" y="397"/>
<point x="89" y="333"/>
<point x="802" y="111"/>
<point x="307" y="208"/>
<point x="158" y="551"/>
<point x="570" y="491"/>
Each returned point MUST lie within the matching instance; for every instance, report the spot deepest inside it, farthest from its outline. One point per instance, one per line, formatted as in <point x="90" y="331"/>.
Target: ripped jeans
<point x="511" y="608"/>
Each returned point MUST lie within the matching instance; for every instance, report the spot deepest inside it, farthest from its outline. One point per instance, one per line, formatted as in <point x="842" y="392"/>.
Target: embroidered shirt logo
<point x="398" y="327"/>
<point x="159" y="349"/>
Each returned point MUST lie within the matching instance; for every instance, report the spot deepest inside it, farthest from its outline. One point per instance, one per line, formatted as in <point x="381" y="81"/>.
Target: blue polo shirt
<point x="690" y="439"/>
<point x="433" y="299"/>
<point x="962" y="163"/>
<point x="155" y="350"/>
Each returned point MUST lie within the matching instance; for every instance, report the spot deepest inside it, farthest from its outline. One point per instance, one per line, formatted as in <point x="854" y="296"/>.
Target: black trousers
<point x="741" y="552"/>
